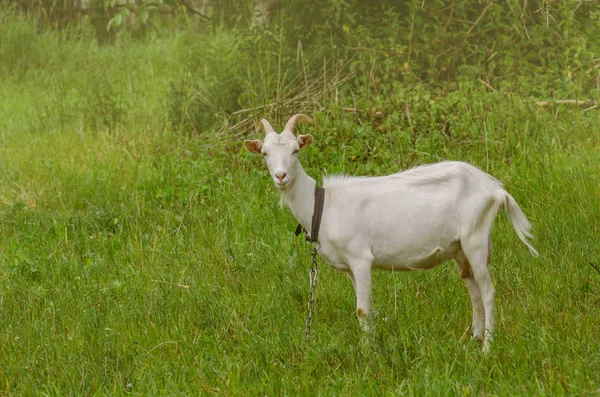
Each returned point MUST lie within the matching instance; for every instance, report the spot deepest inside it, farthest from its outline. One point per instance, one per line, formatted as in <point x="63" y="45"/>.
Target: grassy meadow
<point x="144" y="252"/>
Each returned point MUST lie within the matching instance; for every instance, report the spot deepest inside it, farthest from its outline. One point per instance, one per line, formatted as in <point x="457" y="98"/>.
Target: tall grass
<point x="143" y="252"/>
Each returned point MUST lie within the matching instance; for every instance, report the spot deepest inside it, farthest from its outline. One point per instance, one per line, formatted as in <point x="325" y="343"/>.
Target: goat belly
<point x="404" y="262"/>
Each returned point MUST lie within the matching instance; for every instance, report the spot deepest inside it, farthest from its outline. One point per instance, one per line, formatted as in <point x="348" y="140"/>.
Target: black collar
<point x="316" y="218"/>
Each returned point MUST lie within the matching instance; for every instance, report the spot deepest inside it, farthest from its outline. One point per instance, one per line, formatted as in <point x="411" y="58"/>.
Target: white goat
<point x="412" y="220"/>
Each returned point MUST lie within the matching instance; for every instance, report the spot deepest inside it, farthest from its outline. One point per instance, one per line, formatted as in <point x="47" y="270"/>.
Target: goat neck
<point x="300" y="197"/>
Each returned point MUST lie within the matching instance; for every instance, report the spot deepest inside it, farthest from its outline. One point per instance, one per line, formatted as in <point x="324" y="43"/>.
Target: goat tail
<point x="518" y="220"/>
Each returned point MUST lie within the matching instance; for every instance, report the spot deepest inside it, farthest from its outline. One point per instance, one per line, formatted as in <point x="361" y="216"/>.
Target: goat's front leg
<point x="362" y="285"/>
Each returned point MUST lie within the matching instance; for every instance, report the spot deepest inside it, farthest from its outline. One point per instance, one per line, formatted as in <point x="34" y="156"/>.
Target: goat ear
<point x="253" y="146"/>
<point x="304" y="140"/>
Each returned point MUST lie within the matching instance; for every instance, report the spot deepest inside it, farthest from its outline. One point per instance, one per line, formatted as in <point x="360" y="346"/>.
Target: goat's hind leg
<point x="466" y="273"/>
<point x="351" y="277"/>
<point x="477" y="252"/>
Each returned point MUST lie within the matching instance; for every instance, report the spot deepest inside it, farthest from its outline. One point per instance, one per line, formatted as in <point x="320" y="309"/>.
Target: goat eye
<point x="264" y="154"/>
<point x="295" y="151"/>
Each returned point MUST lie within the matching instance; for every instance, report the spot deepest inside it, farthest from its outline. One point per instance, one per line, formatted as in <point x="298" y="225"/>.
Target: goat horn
<point x="289" y="126"/>
<point x="267" y="126"/>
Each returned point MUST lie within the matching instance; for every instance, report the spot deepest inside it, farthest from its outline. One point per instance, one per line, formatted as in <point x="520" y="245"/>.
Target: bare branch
<point x="374" y="50"/>
<point x="191" y="9"/>
<point x="481" y="16"/>
<point x="575" y="102"/>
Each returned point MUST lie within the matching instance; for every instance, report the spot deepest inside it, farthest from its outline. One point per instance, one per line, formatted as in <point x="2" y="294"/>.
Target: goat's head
<point x="281" y="150"/>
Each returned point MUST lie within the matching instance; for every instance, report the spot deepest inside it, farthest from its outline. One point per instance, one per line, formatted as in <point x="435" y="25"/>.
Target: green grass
<point x="138" y="259"/>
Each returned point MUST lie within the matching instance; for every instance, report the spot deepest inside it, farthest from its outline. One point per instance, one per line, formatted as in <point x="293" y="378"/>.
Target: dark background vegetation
<point x="380" y="50"/>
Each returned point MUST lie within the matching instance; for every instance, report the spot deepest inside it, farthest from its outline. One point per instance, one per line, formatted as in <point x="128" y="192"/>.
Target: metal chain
<point x="312" y="281"/>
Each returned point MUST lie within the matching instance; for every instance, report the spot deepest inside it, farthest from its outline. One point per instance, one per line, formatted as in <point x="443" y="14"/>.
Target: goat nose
<point x="280" y="175"/>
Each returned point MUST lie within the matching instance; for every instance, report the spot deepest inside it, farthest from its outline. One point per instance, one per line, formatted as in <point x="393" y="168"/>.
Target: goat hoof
<point x="477" y="338"/>
<point x="486" y="348"/>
